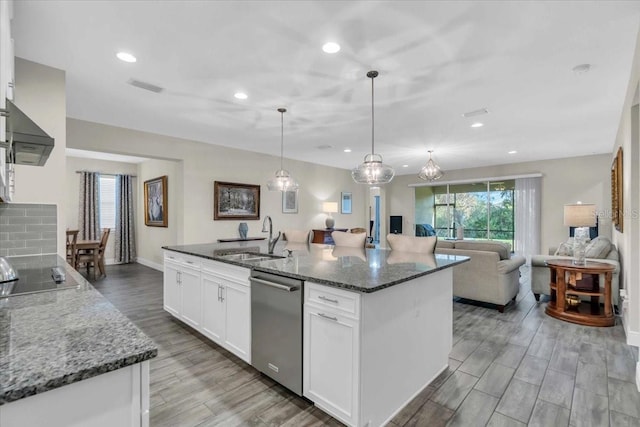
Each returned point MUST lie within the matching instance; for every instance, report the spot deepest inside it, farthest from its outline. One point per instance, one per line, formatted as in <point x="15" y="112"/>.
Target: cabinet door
<point x="331" y="363"/>
<point x="212" y="308"/>
<point x="171" y="292"/>
<point x="190" y="286"/>
<point x="238" y="320"/>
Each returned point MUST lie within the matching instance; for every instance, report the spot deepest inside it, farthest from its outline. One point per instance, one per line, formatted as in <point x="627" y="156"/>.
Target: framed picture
<point x="290" y="201"/>
<point x="155" y="202"/>
<point x="235" y="201"/>
<point x="616" y="191"/>
<point x="345" y="206"/>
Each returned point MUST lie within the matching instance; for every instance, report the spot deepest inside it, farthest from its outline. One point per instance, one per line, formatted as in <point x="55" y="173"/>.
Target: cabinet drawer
<point x="186" y="260"/>
<point x="333" y="299"/>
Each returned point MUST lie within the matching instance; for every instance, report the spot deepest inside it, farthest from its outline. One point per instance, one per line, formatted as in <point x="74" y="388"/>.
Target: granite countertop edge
<point x="70" y="378"/>
<point x="265" y="269"/>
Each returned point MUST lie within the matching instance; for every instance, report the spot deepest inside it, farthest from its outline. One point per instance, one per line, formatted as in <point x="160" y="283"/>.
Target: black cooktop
<point x="36" y="277"/>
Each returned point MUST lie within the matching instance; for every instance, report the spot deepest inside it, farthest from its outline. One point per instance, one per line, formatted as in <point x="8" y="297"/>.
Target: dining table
<point x="93" y="246"/>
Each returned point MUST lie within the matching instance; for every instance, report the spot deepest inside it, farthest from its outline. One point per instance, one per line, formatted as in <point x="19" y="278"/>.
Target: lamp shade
<point x="580" y="215"/>
<point x="330" y="207"/>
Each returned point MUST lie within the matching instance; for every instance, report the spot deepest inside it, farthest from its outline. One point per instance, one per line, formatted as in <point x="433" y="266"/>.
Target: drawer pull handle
<point x="322" y="297"/>
<point x="335" y="319"/>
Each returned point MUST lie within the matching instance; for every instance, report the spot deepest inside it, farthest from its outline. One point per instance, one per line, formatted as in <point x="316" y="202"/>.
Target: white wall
<point x="585" y="179"/>
<point x="151" y="238"/>
<point x="628" y="241"/>
<point x="40" y="94"/>
<point x="72" y="188"/>
<point x="198" y="165"/>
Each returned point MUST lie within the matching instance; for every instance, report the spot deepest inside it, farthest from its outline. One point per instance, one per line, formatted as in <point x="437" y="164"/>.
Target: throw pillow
<point x="565" y="248"/>
<point x="598" y="248"/>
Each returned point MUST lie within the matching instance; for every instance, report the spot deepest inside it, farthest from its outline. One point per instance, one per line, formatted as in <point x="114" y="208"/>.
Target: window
<point x="107" y="201"/>
<point x="484" y="209"/>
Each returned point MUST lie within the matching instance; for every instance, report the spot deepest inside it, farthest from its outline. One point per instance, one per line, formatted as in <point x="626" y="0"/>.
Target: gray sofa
<point x="540" y="274"/>
<point x="492" y="275"/>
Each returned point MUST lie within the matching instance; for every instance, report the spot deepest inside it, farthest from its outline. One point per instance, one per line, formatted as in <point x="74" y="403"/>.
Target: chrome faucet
<point x="271" y="242"/>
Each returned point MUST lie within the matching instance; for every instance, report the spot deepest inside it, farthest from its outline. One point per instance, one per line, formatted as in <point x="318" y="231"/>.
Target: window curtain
<point x="89" y="213"/>
<point x="125" y="251"/>
<point x="527" y="211"/>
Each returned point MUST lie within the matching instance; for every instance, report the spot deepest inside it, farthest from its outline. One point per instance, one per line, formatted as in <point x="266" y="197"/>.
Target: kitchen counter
<point x="55" y="338"/>
<point x="356" y="269"/>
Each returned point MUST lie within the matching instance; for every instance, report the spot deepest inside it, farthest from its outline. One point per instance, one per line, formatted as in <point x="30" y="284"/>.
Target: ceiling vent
<point x="145" y="86"/>
<point x="474" y="113"/>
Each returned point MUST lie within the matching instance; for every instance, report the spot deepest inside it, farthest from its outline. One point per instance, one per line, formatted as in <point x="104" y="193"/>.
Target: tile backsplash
<point x="28" y="229"/>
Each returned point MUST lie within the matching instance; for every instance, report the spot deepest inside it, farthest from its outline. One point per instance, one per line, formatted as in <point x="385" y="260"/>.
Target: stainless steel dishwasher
<point x="276" y="328"/>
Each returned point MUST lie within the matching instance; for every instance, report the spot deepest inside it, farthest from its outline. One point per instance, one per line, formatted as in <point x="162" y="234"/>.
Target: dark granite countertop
<point x="50" y="339"/>
<point x="357" y="269"/>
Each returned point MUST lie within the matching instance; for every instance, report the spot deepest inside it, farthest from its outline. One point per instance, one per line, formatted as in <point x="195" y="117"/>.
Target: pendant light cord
<point x="282" y="111"/>
<point x="372" y="117"/>
<point x="281" y="138"/>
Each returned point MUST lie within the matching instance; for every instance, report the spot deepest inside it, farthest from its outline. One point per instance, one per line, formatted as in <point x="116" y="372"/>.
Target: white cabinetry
<point x="331" y="350"/>
<point x="183" y="289"/>
<point x="213" y="297"/>
<point x="116" y="398"/>
<point x="227" y="307"/>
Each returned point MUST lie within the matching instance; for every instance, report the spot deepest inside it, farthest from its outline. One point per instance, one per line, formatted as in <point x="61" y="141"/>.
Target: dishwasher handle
<point x="276" y="285"/>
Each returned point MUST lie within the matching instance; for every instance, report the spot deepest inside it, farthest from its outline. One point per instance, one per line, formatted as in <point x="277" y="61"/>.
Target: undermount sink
<point x="249" y="257"/>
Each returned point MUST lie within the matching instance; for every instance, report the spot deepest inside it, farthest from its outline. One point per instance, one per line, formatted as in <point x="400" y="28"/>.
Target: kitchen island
<point x="69" y="358"/>
<point x="377" y="325"/>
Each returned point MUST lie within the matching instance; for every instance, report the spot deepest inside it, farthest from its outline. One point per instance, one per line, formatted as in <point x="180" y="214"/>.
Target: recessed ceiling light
<point x="347" y="150"/>
<point x="477" y="125"/>
<point x="240" y="95"/>
<point x="331" y="47"/>
<point x="581" y="69"/>
<point x="405" y="166"/>
<point x="512" y="152"/>
<point x="126" y="57"/>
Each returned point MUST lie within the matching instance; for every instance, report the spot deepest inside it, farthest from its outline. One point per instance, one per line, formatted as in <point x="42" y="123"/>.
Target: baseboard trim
<point x="633" y="338"/>
<point x="150" y="264"/>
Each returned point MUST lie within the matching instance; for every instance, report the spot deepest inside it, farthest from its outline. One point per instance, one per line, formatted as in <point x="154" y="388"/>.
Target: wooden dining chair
<point x="88" y="257"/>
<point x="72" y="239"/>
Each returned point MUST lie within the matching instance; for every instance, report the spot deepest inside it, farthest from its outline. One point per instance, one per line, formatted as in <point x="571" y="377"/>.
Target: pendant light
<point x="430" y="171"/>
<point x="372" y="171"/>
<point x="283" y="181"/>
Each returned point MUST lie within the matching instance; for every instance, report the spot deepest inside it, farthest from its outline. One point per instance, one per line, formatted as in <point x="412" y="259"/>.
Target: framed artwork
<point x="616" y="191"/>
<point x="235" y="201"/>
<point x="345" y="205"/>
<point x="155" y="202"/>
<point x="290" y="201"/>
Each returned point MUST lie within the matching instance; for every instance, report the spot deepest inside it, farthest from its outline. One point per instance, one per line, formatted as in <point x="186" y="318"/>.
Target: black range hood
<point x="31" y="145"/>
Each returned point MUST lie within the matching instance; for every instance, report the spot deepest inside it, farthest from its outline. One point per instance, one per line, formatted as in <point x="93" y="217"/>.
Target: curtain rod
<point x="471" y="180"/>
<point x="108" y="174"/>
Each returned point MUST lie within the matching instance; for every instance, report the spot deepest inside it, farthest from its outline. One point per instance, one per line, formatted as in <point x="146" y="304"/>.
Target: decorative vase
<point x="460" y="233"/>
<point x="242" y="229"/>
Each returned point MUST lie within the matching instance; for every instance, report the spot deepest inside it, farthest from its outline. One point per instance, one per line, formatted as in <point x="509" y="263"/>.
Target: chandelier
<point x="372" y="171"/>
<point x="282" y="181"/>
<point x="430" y="171"/>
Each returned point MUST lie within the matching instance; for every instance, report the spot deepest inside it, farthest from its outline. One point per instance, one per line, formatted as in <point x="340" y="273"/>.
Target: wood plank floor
<point x="512" y="369"/>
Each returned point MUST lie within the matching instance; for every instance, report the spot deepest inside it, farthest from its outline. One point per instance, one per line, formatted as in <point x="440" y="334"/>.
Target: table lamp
<point x="329" y="208"/>
<point x="582" y="216"/>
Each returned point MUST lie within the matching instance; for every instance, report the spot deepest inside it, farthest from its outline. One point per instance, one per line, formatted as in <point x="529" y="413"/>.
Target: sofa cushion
<point x="445" y="244"/>
<point x="503" y="250"/>
<point x="565" y="248"/>
<point x="598" y="248"/>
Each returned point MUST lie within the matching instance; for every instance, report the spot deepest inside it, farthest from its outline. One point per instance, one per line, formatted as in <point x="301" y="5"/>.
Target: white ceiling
<point x="437" y="60"/>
